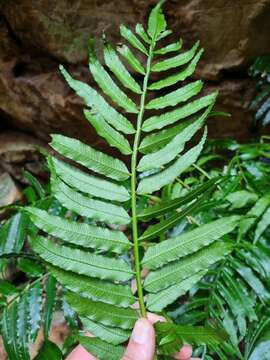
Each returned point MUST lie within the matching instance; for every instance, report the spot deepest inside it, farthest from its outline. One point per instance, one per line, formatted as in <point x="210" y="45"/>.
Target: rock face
<point x="37" y="35"/>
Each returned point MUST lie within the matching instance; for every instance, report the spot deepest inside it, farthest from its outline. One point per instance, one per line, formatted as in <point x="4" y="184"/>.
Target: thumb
<point x="142" y="342"/>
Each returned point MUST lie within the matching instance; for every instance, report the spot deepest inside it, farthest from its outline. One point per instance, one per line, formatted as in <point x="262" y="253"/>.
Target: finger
<point x="153" y="318"/>
<point x="184" y="354"/>
<point x="79" y="353"/>
<point x="142" y="342"/>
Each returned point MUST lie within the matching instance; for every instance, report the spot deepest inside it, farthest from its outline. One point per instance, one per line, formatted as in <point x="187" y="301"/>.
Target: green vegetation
<point x="163" y="204"/>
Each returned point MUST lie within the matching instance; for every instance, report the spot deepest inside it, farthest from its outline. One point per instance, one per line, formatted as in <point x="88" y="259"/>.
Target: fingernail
<point x="141" y="331"/>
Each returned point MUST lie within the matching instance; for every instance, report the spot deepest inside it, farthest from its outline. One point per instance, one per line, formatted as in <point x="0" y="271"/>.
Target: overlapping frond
<point x="87" y="252"/>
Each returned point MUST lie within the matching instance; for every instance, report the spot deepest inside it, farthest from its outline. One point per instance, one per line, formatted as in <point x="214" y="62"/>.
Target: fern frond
<point x="86" y="251"/>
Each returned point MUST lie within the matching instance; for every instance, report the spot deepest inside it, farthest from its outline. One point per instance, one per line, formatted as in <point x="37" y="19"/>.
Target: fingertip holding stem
<point x="142" y="342"/>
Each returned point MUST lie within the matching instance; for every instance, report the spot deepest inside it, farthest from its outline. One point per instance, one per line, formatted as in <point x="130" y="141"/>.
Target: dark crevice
<point x="12" y="34"/>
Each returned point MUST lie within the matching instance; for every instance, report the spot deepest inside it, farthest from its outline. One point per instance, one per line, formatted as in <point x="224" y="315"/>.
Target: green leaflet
<point x="105" y="314"/>
<point x="9" y="333"/>
<point x="173" y="148"/>
<point x="89" y="157"/>
<point x="251" y="279"/>
<point x="51" y="289"/>
<point x="186" y="267"/>
<point x="80" y="234"/>
<point x="160" y="228"/>
<point x="156" y="141"/>
<point x="175" y="97"/>
<point x="131" y="59"/>
<point x="156" y="22"/>
<point x="256" y="211"/>
<point x="35" y="303"/>
<point x="113" y="137"/>
<point x="169" y="205"/>
<point x="160" y="121"/>
<point x="237" y="289"/>
<point x="22" y="331"/>
<point x="94" y="289"/>
<point x="132" y="39"/>
<point x="85" y="206"/>
<point x="94" y="100"/>
<point x="170" y="48"/>
<point x="81" y="262"/>
<point x="89" y="184"/>
<point x="157" y="302"/>
<point x="101" y="349"/>
<point x="180" y="76"/>
<point x="111" y="335"/>
<point x="49" y="350"/>
<point x="195" y="335"/>
<point x="177" y="60"/>
<point x="188" y="243"/>
<point x="13" y="233"/>
<point x="142" y="33"/>
<point x="241" y="198"/>
<point x="164" y="33"/>
<point x="262" y="225"/>
<point x="117" y="67"/>
<point x="106" y="83"/>
<point x="155" y="182"/>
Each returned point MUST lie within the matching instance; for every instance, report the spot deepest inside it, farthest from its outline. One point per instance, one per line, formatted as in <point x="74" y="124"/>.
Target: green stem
<point x="137" y="262"/>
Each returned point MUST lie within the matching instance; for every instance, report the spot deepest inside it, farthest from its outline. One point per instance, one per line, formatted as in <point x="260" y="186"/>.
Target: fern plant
<point x="260" y="71"/>
<point x="235" y="294"/>
<point x="95" y="256"/>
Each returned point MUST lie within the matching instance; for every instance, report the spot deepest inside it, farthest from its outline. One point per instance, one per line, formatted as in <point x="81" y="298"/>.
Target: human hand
<point x="141" y="345"/>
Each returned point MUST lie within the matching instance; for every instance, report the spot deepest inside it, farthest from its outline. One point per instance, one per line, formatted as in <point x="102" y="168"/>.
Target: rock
<point x="38" y="35"/>
<point x="9" y="192"/>
<point x="19" y="151"/>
